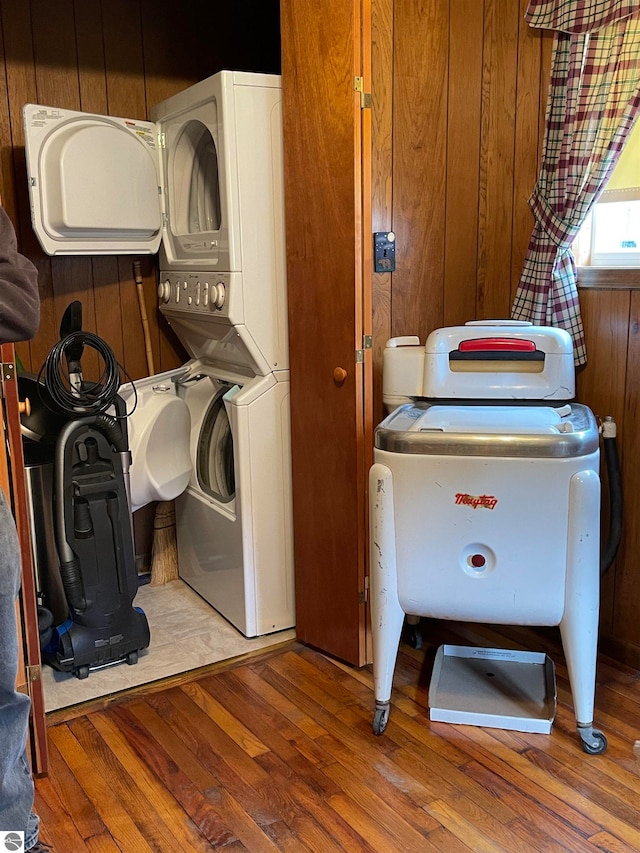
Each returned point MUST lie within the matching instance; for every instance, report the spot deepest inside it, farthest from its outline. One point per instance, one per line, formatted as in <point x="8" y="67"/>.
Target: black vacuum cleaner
<point x="91" y="510"/>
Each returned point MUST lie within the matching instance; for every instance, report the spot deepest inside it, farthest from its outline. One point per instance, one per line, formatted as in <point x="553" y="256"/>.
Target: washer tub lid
<point x="489" y="430"/>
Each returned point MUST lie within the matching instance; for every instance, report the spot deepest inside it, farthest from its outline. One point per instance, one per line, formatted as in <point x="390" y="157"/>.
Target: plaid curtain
<point x="594" y="100"/>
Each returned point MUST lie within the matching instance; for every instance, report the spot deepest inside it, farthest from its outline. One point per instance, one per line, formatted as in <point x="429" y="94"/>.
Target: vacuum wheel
<point x="132" y="658"/>
<point x="82" y="671"/>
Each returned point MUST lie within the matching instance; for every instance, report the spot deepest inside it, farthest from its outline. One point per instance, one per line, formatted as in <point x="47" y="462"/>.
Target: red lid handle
<point x="497" y="345"/>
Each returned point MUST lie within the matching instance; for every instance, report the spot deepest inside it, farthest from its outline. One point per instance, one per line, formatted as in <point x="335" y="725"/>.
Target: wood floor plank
<point x="115" y="817"/>
<point x="166" y="756"/>
<point x="532" y="814"/>
<point x="306" y="798"/>
<point x="229" y="724"/>
<point x="164" y="806"/>
<point x="71" y="794"/>
<point x="56" y="828"/>
<point x="124" y="786"/>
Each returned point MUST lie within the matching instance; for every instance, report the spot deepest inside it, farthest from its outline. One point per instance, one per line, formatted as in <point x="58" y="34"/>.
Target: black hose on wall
<point x="612" y="461"/>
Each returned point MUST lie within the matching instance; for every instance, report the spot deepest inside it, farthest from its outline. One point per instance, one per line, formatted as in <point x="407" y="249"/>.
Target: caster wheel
<point x="82" y="672"/>
<point x="414" y="637"/>
<point x="132" y="658"/>
<point x="380" y="719"/>
<point x="599" y="746"/>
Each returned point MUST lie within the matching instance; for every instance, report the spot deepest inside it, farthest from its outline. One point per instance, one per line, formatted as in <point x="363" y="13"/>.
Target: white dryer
<point x="202" y="184"/>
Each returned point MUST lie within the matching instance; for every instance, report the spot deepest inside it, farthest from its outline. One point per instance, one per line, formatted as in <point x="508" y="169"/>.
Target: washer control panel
<point x="202" y="293"/>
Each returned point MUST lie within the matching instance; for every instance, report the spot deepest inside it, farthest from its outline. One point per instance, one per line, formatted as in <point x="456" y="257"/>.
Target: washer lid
<point x="94" y="182"/>
<point x="502" y="430"/>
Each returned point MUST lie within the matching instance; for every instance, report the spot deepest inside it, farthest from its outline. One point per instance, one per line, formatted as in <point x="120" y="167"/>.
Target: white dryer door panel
<point x="93" y="182"/>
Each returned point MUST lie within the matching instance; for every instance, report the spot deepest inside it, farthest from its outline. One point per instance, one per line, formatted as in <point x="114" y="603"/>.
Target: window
<point x="610" y="235"/>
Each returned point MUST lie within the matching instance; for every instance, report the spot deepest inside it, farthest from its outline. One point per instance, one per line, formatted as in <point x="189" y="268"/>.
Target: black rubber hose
<point x="71" y="576"/>
<point x="112" y="430"/>
<point x="615" y="499"/>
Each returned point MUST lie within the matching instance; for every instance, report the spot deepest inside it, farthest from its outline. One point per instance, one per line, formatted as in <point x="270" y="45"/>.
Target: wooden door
<point x="325" y="77"/>
<point x="12" y="481"/>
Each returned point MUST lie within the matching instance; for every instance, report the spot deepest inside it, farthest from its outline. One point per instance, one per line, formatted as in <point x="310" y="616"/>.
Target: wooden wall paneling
<point x="171" y="52"/>
<point x="135" y="359"/>
<point x="381" y="184"/>
<point x="7" y="179"/>
<point x="106" y="292"/>
<point x="126" y="97"/>
<point x="93" y="98"/>
<point x="320" y="107"/>
<point x="21" y="89"/>
<point x="55" y="54"/>
<point x="601" y="386"/>
<point x="171" y="64"/>
<point x="7" y="176"/>
<point x="124" y="61"/>
<point x="548" y="42"/>
<point x="90" y="51"/>
<point x="526" y="155"/>
<point x="73" y="281"/>
<point x="625" y="626"/>
<point x="57" y="82"/>
<point x="462" y="161"/>
<point x="497" y="158"/>
<point x="421" y="36"/>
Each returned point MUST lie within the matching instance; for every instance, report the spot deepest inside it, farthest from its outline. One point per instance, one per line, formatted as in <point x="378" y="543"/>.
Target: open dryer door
<point x="93" y="182"/>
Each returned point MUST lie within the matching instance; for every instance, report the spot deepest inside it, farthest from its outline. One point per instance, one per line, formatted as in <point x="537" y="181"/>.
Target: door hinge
<point x="162" y="140"/>
<point x="363" y="595"/>
<point x="8" y="374"/>
<point x="365" y="97"/>
<point x="367" y="343"/>
<point x="33" y="674"/>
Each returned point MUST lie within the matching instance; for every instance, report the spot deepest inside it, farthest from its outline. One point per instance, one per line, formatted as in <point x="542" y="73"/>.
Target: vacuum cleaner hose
<point x="615" y="494"/>
<point x="71" y="576"/>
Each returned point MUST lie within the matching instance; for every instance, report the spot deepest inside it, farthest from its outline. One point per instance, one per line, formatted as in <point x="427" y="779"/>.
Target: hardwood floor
<point x="275" y="752"/>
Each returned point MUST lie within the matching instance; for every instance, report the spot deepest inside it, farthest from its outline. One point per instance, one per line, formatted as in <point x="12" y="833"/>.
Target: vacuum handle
<point x="71" y="323"/>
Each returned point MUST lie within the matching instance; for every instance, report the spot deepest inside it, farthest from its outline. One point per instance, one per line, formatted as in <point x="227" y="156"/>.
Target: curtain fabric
<point x="594" y="100"/>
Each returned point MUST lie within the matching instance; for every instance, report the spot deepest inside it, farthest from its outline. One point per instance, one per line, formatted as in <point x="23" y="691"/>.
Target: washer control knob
<point x="164" y="291"/>
<point x="218" y="295"/>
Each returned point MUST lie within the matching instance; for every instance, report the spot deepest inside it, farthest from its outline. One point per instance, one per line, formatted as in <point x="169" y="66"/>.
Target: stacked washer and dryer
<point x="203" y="185"/>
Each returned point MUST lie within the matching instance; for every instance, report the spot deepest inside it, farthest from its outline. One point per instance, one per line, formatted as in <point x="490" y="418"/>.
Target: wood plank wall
<point x="460" y="89"/>
<point x="459" y="100"/>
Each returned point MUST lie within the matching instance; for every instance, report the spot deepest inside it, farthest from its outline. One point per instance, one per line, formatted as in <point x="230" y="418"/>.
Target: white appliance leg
<point x="387" y="616"/>
<point x="579" y="625"/>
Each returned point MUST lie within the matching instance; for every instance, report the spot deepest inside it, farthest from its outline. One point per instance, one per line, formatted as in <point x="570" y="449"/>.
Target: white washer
<point x="234" y="515"/>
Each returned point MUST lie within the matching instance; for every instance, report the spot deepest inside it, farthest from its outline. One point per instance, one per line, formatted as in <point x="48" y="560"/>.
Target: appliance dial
<point x="219" y="295"/>
<point x="164" y="291"/>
